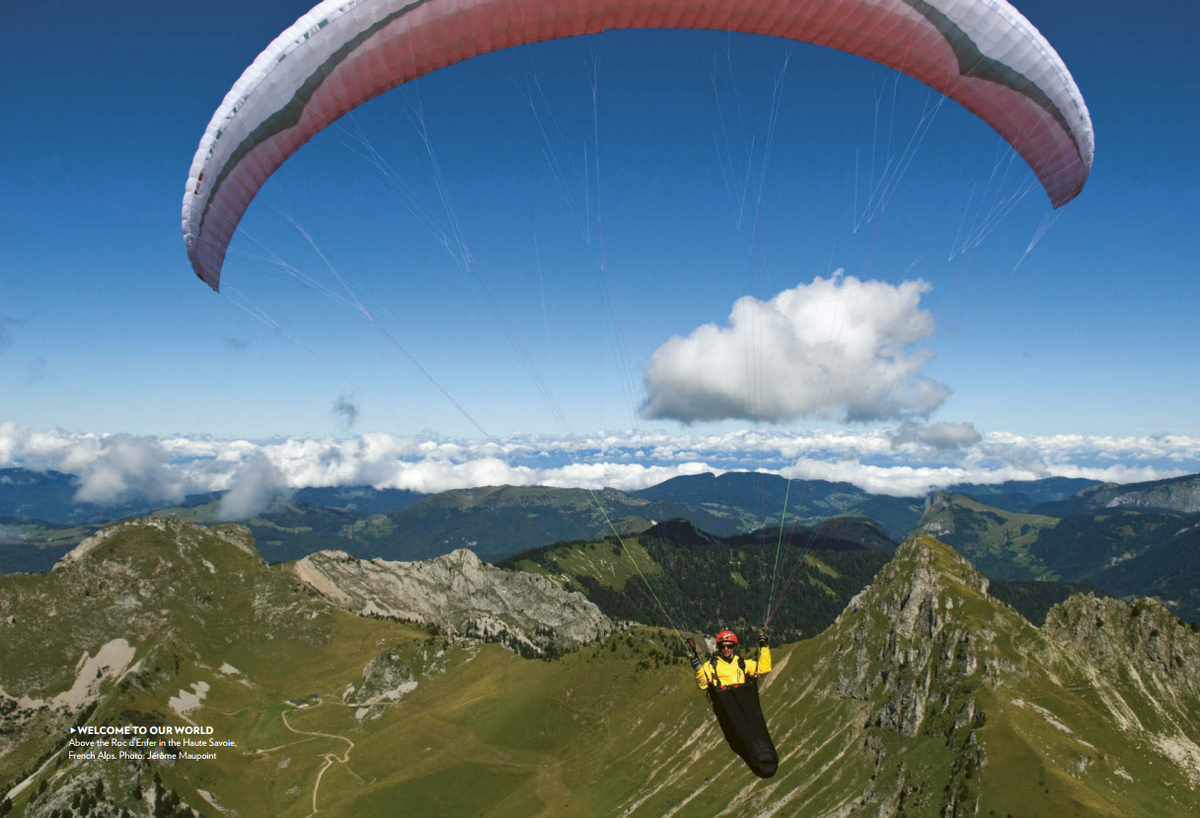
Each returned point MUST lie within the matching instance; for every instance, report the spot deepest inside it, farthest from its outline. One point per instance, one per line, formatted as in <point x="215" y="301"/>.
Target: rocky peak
<point x="926" y="652"/>
<point x="938" y="518"/>
<point x="459" y="593"/>
<point x="917" y="589"/>
<point x="911" y="642"/>
<point x="1115" y="635"/>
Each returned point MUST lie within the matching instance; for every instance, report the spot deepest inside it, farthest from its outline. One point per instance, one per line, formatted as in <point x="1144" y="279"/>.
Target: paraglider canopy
<point x="982" y="53"/>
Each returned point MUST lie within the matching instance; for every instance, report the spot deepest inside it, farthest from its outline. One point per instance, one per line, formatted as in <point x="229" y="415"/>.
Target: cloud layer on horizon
<point x="907" y="460"/>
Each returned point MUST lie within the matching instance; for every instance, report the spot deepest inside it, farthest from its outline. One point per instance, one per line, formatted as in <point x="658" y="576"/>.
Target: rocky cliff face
<point x="938" y="519"/>
<point x="911" y="649"/>
<point x="1142" y="637"/>
<point x="938" y="669"/>
<point x="924" y="652"/>
<point x="1143" y="664"/>
<point x="460" y="594"/>
<point x="1176" y="494"/>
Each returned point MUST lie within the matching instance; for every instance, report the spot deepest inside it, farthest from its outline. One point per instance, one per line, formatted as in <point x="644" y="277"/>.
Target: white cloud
<point x="838" y="347"/>
<point x="896" y="481"/>
<point x="111" y="468"/>
<point x="253" y="487"/>
<point x="906" y="460"/>
<point x="939" y="436"/>
<point x="121" y="467"/>
<point x="12" y="442"/>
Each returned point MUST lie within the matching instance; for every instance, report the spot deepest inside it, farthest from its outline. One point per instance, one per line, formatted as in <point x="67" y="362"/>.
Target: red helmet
<point x="726" y="636"/>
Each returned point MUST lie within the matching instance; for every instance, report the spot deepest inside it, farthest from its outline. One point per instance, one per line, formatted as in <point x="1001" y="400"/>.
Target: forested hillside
<point x="675" y="575"/>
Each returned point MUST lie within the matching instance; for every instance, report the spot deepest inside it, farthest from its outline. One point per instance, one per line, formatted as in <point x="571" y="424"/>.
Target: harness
<point x="716" y="678"/>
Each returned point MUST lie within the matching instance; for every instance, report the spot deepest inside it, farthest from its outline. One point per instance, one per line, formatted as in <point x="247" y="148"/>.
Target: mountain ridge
<point x="457" y="593"/>
<point x="1123" y="550"/>
<point x="730" y="503"/>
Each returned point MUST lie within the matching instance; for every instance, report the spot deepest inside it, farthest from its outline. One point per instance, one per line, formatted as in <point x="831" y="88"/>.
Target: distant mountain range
<point x="495" y="521"/>
<point x="1176" y="494"/>
<point x="1129" y="549"/>
<point x="1130" y="539"/>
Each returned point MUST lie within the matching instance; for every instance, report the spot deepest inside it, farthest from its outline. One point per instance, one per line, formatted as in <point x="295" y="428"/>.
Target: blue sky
<point x="115" y="360"/>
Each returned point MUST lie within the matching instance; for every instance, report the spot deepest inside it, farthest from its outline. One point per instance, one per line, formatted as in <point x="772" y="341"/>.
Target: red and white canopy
<point x="982" y="53"/>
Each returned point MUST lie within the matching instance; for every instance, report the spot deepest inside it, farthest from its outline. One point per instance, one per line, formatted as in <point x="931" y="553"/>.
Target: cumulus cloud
<point x="254" y="486"/>
<point x="838" y="347"/>
<point x="346" y="410"/>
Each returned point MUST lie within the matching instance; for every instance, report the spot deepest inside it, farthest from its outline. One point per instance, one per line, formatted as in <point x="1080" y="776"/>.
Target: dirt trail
<point x="330" y="758"/>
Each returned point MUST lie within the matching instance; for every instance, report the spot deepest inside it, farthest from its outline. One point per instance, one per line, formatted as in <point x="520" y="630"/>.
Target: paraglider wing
<point x="981" y="53"/>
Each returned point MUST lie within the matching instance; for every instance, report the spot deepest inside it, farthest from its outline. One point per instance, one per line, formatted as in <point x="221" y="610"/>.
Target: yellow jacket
<point x="730" y="673"/>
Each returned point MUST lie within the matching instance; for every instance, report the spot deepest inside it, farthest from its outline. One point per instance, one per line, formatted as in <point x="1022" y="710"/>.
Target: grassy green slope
<point x="1081" y="547"/>
<point x="897" y="709"/>
<point x="924" y="698"/>
<point x="189" y="601"/>
<point x="998" y="542"/>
